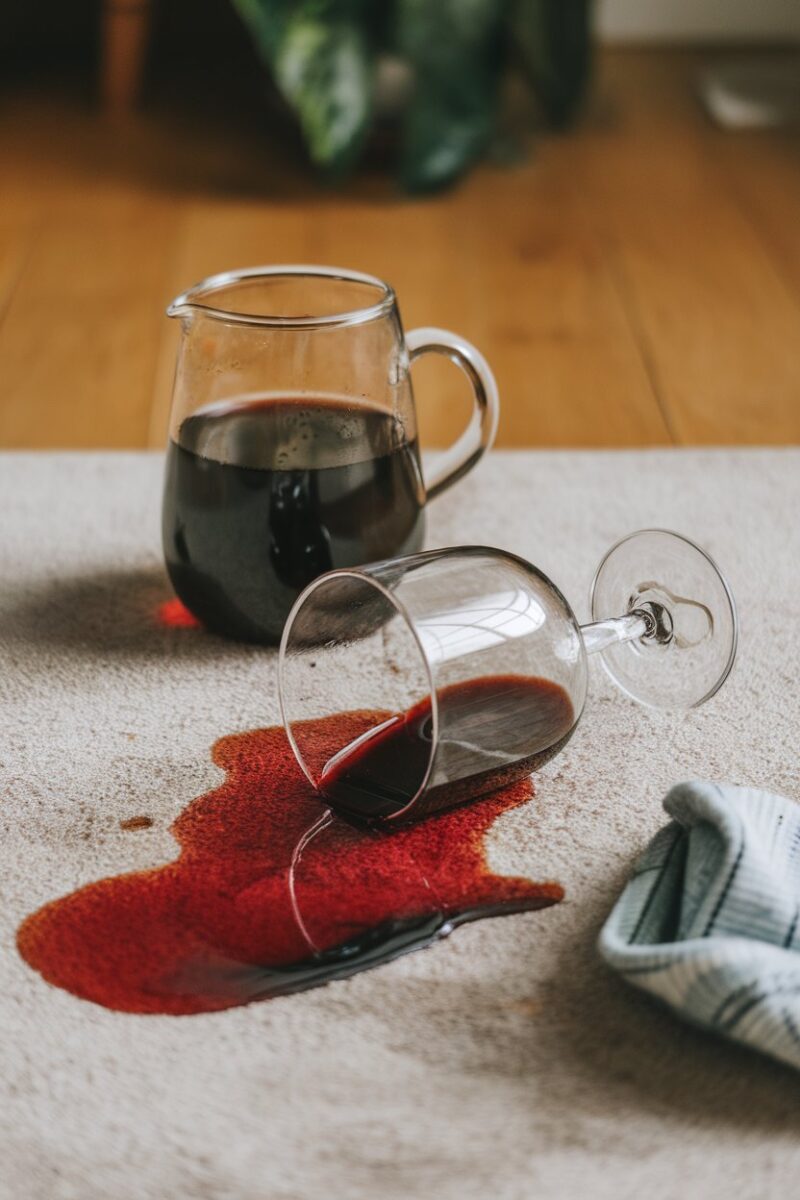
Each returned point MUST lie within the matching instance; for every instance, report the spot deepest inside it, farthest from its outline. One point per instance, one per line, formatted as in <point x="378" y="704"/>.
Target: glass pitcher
<point x="293" y="443"/>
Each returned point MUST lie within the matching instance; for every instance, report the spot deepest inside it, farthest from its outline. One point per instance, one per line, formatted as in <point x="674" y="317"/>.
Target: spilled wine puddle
<point x="270" y="893"/>
<point x="175" y="615"/>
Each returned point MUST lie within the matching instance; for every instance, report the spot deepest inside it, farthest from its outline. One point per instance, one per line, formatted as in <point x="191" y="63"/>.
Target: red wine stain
<point x="176" y="615"/>
<point x="271" y="893"/>
<point x="133" y="823"/>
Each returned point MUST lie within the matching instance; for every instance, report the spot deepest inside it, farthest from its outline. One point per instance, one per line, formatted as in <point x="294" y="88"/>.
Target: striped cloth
<point x="709" y="920"/>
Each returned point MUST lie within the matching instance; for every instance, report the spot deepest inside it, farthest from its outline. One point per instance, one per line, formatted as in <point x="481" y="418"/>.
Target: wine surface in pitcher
<point x="263" y="494"/>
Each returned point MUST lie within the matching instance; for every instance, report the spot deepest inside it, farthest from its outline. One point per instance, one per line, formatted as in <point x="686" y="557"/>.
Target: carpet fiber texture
<point x="506" y="1062"/>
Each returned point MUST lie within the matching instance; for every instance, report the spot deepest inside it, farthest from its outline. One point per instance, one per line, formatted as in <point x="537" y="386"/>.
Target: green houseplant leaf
<point x="322" y="54"/>
<point x="455" y="50"/>
<point x="553" y="38"/>
<point x="266" y="21"/>
<point x="321" y="59"/>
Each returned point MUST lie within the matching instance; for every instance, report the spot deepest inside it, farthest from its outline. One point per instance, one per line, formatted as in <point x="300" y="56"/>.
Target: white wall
<point x="640" y="20"/>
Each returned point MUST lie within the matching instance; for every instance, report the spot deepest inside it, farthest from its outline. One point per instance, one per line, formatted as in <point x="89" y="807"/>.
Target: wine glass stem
<point x="600" y="634"/>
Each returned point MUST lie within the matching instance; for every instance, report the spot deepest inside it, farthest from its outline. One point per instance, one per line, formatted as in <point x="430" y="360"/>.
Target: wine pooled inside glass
<point x="473" y="668"/>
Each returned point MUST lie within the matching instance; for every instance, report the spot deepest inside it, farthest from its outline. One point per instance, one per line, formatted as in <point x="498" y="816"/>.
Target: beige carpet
<point x="506" y="1062"/>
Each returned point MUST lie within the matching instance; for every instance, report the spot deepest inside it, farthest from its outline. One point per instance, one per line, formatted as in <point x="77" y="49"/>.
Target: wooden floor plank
<point x="567" y="356"/>
<point x="21" y="209"/>
<point x="16" y="239"/>
<point x="717" y="316"/>
<point x="637" y="282"/>
<point x="78" y="340"/>
<point x="530" y="289"/>
<point x="214" y="236"/>
<point x="763" y="171"/>
<point x="78" y="336"/>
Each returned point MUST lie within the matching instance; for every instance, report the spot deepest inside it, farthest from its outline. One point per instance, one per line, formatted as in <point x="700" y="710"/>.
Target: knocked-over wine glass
<point x="466" y="668"/>
<point x="293" y="443"/>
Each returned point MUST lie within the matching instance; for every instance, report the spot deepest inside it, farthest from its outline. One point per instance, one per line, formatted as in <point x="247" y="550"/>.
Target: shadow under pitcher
<point x="293" y="445"/>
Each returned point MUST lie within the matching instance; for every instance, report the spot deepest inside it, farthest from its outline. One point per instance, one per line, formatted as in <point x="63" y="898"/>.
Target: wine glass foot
<point x="690" y="644"/>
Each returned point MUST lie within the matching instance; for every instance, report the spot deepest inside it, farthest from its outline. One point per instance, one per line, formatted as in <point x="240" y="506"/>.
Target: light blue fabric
<point x="709" y="921"/>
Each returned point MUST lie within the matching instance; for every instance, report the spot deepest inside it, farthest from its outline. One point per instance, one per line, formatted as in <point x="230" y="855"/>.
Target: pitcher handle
<point x="479" y="435"/>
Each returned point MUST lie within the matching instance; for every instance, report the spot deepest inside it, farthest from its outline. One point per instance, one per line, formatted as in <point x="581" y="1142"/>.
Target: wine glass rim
<point x="712" y="691"/>
<point x="194" y="298"/>
<point x="362" y="576"/>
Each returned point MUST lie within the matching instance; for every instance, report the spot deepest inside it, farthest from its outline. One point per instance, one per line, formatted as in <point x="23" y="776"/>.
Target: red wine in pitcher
<point x="264" y="494"/>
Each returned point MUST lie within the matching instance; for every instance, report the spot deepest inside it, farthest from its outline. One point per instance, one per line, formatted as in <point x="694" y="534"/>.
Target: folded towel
<point x="709" y="920"/>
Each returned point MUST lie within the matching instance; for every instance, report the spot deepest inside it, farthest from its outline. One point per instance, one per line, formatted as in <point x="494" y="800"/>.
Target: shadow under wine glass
<point x="465" y="669"/>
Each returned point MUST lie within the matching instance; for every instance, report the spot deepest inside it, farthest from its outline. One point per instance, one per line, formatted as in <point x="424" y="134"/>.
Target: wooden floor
<point x="634" y="283"/>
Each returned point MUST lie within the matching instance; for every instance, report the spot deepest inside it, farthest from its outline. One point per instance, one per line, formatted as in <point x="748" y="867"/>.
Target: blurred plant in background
<point x="436" y="68"/>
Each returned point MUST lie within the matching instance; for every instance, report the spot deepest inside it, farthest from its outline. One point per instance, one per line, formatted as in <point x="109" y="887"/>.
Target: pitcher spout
<point x="180" y="307"/>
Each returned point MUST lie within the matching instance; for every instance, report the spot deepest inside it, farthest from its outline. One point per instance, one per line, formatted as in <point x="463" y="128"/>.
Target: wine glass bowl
<point x="454" y="672"/>
<point x="466" y="665"/>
